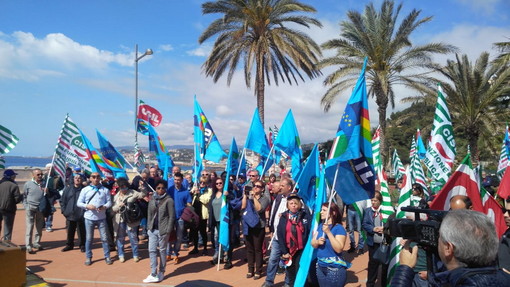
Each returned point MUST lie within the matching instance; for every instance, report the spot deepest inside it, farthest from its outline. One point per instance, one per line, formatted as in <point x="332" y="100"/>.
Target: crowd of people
<point x="267" y="217"/>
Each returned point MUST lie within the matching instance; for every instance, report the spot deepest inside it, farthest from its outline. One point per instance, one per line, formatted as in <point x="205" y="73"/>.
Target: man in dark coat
<point x="9" y="197"/>
<point x="73" y="213"/>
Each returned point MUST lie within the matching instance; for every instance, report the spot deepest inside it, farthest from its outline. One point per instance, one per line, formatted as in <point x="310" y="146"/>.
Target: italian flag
<point x="462" y="182"/>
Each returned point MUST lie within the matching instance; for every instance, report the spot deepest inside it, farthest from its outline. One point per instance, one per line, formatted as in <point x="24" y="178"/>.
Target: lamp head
<point x="148" y="52"/>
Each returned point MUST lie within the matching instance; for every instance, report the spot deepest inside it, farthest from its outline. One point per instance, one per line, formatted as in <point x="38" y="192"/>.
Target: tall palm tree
<point x="504" y="56"/>
<point x="256" y="32"/>
<point x="392" y="57"/>
<point x="475" y="97"/>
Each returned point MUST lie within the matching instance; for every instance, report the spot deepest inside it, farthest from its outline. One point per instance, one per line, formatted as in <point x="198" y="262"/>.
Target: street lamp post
<point x="147" y="52"/>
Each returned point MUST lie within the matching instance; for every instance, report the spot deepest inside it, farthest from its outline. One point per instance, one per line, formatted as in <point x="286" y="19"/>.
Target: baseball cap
<point x="77" y="169"/>
<point x="9" y="173"/>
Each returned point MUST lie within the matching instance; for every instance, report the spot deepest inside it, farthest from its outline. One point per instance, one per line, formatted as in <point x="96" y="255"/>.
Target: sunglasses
<point x="38" y="174"/>
<point x="252" y="175"/>
<point x="258" y="186"/>
<point x="95" y="176"/>
<point x="219" y="183"/>
<point x="203" y="183"/>
<point x="504" y="210"/>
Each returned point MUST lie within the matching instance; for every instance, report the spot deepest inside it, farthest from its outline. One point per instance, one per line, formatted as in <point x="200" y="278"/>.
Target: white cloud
<point x="23" y="56"/>
<point x="203" y="51"/>
<point x="166" y="47"/>
<point x="472" y="40"/>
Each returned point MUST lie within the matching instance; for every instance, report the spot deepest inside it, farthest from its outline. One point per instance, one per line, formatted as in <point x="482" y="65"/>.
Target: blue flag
<point x="105" y="167"/>
<point x="288" y="141"/>
<point x="420" y="147"/>
<point x="350" y="157"/>
<point x="307" y="181"/>
<point x="205" y="137"/>
<point x="256" y="139"/>
<point x="142" y="127"/>
<point x="110" y="152"/>
<point x="309" y="253"/>
<point x="223" y="237"/>
<point x="198" y="165"/>
<point x="157" y="146"/>
<point x="257" y="142"/>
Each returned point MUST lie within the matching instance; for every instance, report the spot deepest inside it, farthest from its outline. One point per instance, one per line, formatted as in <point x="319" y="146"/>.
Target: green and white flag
<point x="503" y="160"/>
<point x="2" y="162"/>
<point x="7" y="140"/>
<point x="376" y="152"/>
<point x="417" y="174"/>
<point x="386" y="207"/>
<point x="398" y="167"/>
<point x="70" y="149"/>
<point x="403" y="201"/>
<point x="441" y="150"/>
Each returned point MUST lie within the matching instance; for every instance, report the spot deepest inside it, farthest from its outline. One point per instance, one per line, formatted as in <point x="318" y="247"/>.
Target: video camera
<point x="424" y="233"/>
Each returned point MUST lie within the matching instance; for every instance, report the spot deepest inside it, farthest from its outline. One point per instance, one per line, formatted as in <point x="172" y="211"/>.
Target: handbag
<point x="382" y="254"/>
<point x="250" y="215"/>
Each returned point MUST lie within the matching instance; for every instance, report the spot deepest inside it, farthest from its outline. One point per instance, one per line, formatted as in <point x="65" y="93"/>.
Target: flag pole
<point x="333" y="191"/>
<point x="55" y="152"/>
<point x="240" y="163"/>
<point x="267" y="160"/>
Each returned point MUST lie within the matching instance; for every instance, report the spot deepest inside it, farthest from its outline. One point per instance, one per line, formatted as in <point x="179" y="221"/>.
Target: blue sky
<point x="77" y="57"/>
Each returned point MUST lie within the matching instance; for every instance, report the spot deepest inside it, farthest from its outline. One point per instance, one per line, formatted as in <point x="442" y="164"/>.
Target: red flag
<point x="494" y="211"/>
<point x="150" y="114"/>
<point x="504" y="186"/>
<point x="463" y="182"/>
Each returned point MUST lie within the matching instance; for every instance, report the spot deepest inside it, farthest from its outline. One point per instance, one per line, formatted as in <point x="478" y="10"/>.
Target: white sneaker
<point x="161" y="276"/>
<point x="151" y="279"/>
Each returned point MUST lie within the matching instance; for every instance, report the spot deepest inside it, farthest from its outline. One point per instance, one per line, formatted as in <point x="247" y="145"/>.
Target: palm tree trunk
<point x="259" y="86"/>
<point x="382" y="122"/>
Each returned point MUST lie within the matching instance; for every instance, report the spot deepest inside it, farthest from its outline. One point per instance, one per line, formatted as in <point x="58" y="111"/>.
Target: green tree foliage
<point x="392" y="58"/>
<point x="257" y="33"/>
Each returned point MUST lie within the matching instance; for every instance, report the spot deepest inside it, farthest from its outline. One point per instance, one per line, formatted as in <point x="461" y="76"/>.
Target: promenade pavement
<point x="67" y="268"/>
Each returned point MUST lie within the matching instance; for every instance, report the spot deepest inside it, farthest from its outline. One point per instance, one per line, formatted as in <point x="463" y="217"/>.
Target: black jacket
<point x="68" y="203"/>
<point x="9" y="195"/>
<point x="469" y="277"/>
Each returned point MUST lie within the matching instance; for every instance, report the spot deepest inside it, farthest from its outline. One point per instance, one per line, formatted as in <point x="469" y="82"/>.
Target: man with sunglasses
<point x="33" y="191"/>
<point x="95" y="199"/>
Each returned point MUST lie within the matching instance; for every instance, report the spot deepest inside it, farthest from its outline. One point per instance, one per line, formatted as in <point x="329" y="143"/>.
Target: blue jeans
<point x="175" y="246"/>
<point x="273" y="263"/>
<point x="89" y="229"/>
<point x="354" y="222"/>
<point x="133" y="239"/>
<point x="157" y="246"/>
<point x="331" y="276"/>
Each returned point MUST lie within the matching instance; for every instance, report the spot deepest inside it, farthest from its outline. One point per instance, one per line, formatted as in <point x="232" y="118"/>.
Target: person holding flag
<point x="373" y="225"/>
<point x="504" y="245"/>
<point x="330" y="241"/>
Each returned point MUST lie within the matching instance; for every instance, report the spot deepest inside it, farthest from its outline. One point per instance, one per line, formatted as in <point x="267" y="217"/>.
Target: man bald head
<point x="460" y="202"/>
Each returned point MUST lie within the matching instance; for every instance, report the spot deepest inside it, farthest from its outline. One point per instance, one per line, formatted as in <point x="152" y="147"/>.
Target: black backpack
<point x="132" y="212"/>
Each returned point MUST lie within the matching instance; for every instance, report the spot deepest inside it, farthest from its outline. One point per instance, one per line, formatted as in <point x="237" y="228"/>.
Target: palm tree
<point x="504" y="56"/>
<point x="255" y="32"/>
<point x="392" y="57"/>
<point x="475" y="97"/>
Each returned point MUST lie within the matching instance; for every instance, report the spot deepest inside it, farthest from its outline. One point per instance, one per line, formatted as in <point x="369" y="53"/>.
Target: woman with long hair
<point x="329" y="241"/>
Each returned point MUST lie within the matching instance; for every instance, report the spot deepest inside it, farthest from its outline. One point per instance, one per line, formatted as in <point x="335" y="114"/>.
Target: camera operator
<point x="504" y="245"/>
<point x="467" y="246"/>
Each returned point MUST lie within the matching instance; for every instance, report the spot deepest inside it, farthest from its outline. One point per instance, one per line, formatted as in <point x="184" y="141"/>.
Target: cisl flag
<point x="150" y="114"/>
<point x="462" y="182"/>
<point x="441" y="150"/>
